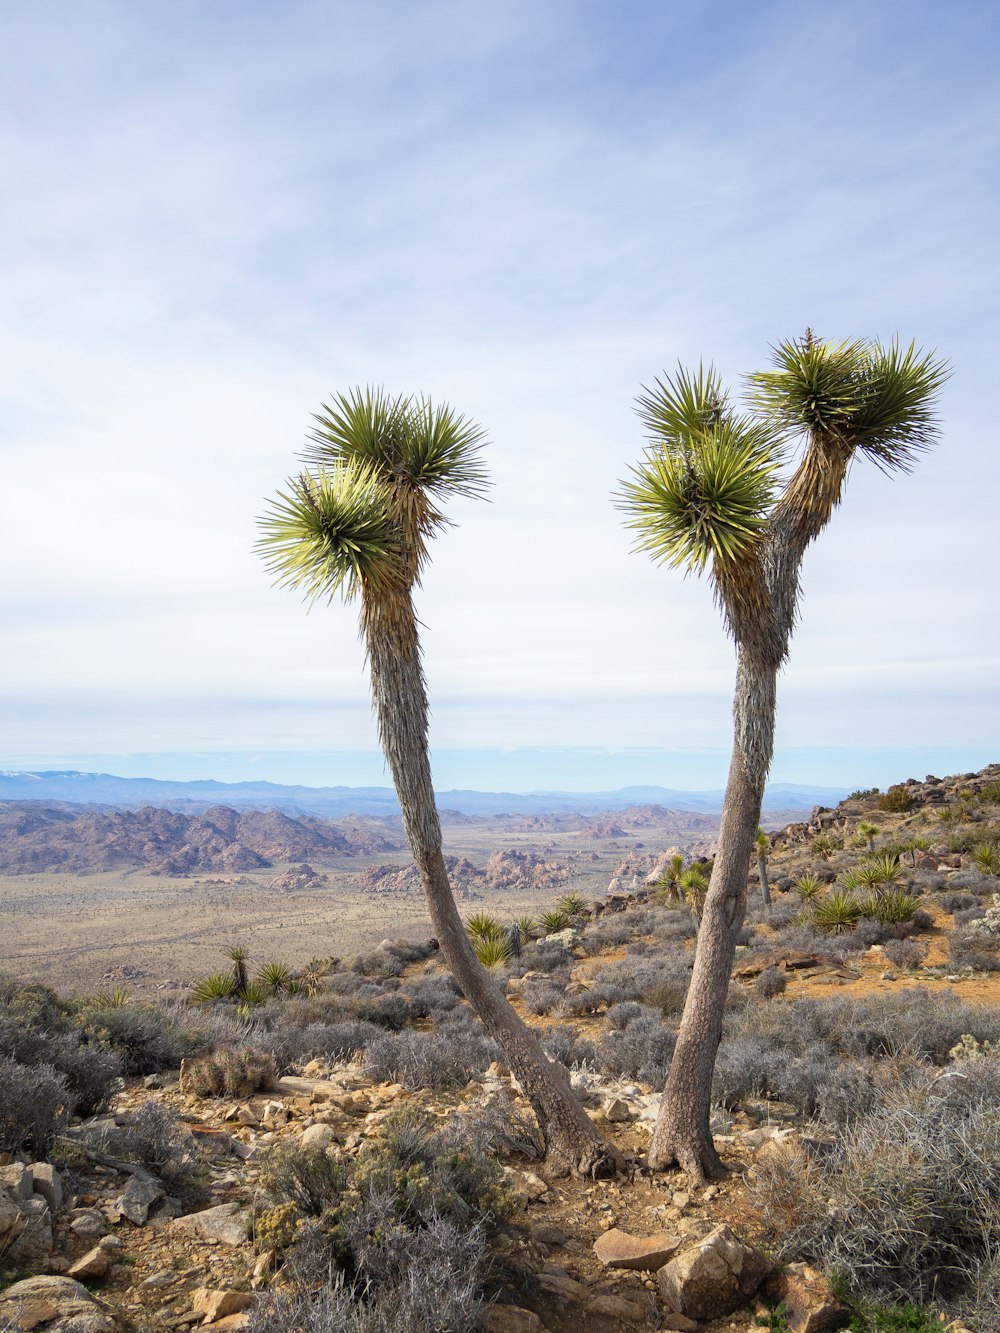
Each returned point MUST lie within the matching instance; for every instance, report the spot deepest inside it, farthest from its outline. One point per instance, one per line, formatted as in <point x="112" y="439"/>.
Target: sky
<point x="217" y="215"/>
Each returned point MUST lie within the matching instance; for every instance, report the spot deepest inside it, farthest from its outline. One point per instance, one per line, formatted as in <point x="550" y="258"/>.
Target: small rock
<point x="218" y="1304"/>
<point x="810" y="1305"/>
<point x="681" y="1200"/>
<point x="15" y="1180"/>
<point x="95" y="1263"/>
<point x="678" y="1322"/>
<point x="46" y="1182"/>
<point x="88" y="1223"/>
<point x="510" y="1319"/>
<point x="617" y="1249"/>
<point x="74" y="1305"/>
<point x="226" y="1223"/>
<point x="318" y="1136"/>
<point x="153" y="1082"/>
<point x="617" y="1111"/>
<point x="137" y="1198"/>
<point x="164" y="1278"/>
<point x="714" y="1277"/>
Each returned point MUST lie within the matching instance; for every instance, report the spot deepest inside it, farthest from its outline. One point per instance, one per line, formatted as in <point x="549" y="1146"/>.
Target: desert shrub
<point x="334" y="1041"/>
<point x="426" y="1059"/>
<point x="390" y="1010"/>
<point x="30" y="1005"/>
<point x="805" y="936"/>
<point x="610" y="932"/>
<point x="303" y="1176"/>
<point x="542" y="996"/>
<point x="141" y="1036"/>
<point x="674" y="926"/>
<point x="668" y="995"/>
<point x="155" y="1135"/>
<point x="90" y="1070"/>
<point x="541" y="956"/>
<point x="973" y="881"/>
<point x="499" y="1127"/>
<point x="958" y="901"/>
<point x="620" y="1015"/>
<point x="969" y="914"/>
<point x="771" y="982"/>
<point x="230" y="1073"/>
<point x="759" y="1067"/>
<point x="431" y="995"/>
<point x="905" y="953"/>
<point x="564" y="1045"/>
<point x="641" y="1049"/>
<point x="971" y="951"/>
<point x="34" y="1107"/>
<point x="637" y="977"/>
<point x="897" y="800"/>
<point x="913" y="1191"/>
<point x="406" y="1248"/>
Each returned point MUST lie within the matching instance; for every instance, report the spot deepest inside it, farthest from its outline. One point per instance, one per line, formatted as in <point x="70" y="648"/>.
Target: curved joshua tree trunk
<point x="572" y="1141"/>
<point x="682" y="1132"/>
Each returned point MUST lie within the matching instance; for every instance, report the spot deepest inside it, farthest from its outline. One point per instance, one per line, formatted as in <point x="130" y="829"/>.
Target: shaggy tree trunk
<point x="682" y="1134"/>
<point x="572" y="1141"/>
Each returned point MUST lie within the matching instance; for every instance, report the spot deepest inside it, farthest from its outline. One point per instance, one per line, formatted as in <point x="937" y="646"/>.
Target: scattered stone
<point x="810" y="1305"/>
<point x="318" y="1136"/>
<point x="137" y="1199"/>
<point x="88" y="1223"/>
<point x="678" y="1322"/>
<point x="218" y="1304"/>
<point x="617" y="1111"/>
<point x="15" y="1180"/>
<point x="95" y="1264"/>
<point x="227" y="1222"/>
<point x="511" y="1319"/>
<point x="714" y="1277"/>
<point x="46" y="1181"/>
<point x="617" y="1249"/>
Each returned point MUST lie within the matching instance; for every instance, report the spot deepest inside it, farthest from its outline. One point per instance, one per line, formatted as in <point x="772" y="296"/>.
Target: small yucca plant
<point x="483" y="926"/>
<point x="868" y="831"/>
<point x="252" y="995"/>
<point x="808" y="887"/>
<point x="893" y="908"/>
<point x="492" y="951"/>
<point x="573" y="903"/>
<point x="823" y="844"/>
<point x="838" y="912"/>
<point x="881" y="868"/>
<point x="987" y="857"/>
<point x="528" y="926"/>
<point x="111" y="999"/>
<point x="554" y="919"/>
<point x="219" y="986"/>
<point x="275" y="977"/>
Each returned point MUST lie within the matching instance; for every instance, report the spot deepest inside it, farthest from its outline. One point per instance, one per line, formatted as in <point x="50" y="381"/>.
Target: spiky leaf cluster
<point x="331" y="532"/>
<point x="704" y="489"/>
<point x="858" y="394"/>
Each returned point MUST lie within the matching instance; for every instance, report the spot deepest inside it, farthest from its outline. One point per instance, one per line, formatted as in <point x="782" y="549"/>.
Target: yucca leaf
<point x="332" y="531"/>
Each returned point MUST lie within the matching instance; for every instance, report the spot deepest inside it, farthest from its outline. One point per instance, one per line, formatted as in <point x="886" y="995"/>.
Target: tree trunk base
<point x="695" y="1155"/>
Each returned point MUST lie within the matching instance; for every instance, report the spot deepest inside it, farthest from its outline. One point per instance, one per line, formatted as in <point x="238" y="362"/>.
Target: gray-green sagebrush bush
<point x="908" y="1203"/>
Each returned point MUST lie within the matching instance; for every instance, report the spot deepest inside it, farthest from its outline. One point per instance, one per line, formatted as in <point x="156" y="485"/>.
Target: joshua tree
<point x="762" y="844"/>
<point x="357" y="521"/>
<point x="707" y="496"/>
<point x="868" y="831"/>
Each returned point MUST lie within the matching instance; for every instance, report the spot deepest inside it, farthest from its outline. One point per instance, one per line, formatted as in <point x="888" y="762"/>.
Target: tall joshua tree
<point x="356" y="521"/>
<point x="707" y="497"/>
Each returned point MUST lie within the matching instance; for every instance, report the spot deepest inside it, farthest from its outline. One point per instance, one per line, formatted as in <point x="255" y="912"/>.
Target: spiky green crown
<point x="705" y="487"/>
<point x="331" y="532"/>
<point x="859" y="394"/>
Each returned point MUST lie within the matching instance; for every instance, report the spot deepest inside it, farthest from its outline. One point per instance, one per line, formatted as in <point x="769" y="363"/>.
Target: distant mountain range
<point x="106" y="790"/>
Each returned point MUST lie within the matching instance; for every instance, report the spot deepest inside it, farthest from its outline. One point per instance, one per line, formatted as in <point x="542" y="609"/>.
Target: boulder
<point x="617" y="1249"/>
<point x="76" y="1311"/>
<point x="45" y="1181"/>
<point x="712" y="1278"/>
<point x="29" y="1242"/>
<point x="16" y="1181"/>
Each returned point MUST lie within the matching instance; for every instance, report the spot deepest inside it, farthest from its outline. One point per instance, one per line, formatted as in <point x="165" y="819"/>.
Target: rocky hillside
<point x="505" y="871"/>
<point x="37" y="837"/>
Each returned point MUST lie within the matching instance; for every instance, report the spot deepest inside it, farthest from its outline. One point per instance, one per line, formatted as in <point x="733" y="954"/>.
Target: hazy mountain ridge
<point x="108" y="791"/>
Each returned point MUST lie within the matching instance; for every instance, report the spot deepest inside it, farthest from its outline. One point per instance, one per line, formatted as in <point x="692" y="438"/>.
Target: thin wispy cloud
<point x="215" y="219"/>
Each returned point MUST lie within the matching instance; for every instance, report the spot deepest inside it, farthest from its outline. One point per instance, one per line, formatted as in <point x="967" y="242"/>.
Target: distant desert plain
<point x="82" y="932"/>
